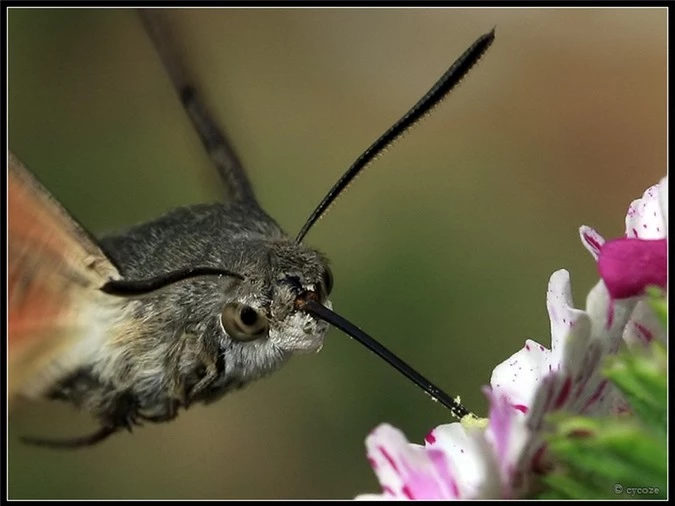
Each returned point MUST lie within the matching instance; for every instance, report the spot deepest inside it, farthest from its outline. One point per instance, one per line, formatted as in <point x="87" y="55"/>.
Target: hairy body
<point x="168" y="349"/>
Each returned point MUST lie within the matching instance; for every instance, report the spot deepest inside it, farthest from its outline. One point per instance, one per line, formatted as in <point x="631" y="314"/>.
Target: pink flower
<point x="631" y="263"/>
<point x="536" y="381"/>
<point x="464" y="461"/>
<point x="469" y="460"/>
<point x="628" y="265"/>
<point x="458" y="460"/>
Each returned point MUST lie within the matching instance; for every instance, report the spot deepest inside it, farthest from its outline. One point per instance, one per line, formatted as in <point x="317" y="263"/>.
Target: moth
<point x="131" y="328"/>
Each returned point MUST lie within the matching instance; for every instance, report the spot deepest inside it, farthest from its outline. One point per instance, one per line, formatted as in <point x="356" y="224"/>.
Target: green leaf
<point x="641" y="377"/>
<point x="613" y="449"/>
<point x="568" y="487"/>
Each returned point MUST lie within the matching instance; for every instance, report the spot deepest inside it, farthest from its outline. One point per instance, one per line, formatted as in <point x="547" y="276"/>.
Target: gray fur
<point x="168" y="349"/>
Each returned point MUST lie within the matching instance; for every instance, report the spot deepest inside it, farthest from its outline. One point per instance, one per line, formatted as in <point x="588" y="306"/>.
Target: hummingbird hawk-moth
<point x="130" y="328"/>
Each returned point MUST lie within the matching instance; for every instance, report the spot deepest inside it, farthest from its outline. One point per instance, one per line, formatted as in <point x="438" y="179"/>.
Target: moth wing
<point x="55" y="270"/>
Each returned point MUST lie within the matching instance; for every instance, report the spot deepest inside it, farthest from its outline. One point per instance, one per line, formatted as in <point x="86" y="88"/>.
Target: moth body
<point x="168" y="349"/>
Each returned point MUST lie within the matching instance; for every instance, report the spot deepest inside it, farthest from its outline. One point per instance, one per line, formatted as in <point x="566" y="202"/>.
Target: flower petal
<point x="408" y="471"/>
<point x="564" y="381"/>
<point x="508" y="434"/>
<point x="561" y="311"/>
<point x="471" y="459"/>
<point x="629" y="265"/>
<point x="663" y="200"/>
<point x="518" y="377"/>
<point x="643" y="327"/>
<point x="645" y="218"/>
<point x="608" y="316"/>
<point x="591" y="240"/>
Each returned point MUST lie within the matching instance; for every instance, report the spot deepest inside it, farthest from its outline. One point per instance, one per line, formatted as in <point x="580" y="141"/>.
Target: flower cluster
<point x="503" y="457"/>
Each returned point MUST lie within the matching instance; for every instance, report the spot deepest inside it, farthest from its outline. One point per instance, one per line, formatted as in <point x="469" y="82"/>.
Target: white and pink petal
<point x="591" y="240"/>
<point x="407" y="471"/>
<point x="643" y="327"/>
<point x="508" y="435"/>
<point x="471" y="458"/>
<point x="608" y="316"/>
<point x="663" y="201"/>
<point x="562" y="313"/>
<point x="517" y="378"/>
<point x="645" y="217"/>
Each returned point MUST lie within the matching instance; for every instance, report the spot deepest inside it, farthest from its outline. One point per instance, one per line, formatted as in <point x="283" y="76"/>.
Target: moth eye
<point x="243" y="323"/>
<point x="328" y="281"/>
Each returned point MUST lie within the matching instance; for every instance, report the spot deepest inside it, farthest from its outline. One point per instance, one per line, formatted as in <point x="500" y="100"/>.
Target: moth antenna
<point x="216" y="143"/>
<point x="320" y="311"/>
<point x="72" y="443"/>
<point x="137" y="287"/>
<point x="423" y="107"/>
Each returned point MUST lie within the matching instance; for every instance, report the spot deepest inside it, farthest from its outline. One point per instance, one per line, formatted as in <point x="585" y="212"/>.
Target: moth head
<point x="262" y="309"/>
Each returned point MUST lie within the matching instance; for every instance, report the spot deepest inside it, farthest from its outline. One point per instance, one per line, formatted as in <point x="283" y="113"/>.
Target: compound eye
<point x="243" y="323"/>
<point x="328" y="281"/>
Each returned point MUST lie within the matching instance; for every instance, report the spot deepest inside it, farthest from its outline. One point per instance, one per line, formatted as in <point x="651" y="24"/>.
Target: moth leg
<point x="208" y="375"/>
<point x="215" y="141"/>
<point x="127" y="418"/>
<point x="72" y="443"/>
<point x="211" y="366"/>
<point x="167" y="412"/>
<point x="120" y="413"/>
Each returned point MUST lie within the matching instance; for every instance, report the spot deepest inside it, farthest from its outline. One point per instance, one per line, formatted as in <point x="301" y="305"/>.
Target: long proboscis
<point x="315" y="308"/>
<point x="424" y="106"/>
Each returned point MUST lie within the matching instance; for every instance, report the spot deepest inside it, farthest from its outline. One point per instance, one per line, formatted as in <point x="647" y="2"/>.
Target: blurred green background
<point x="442" y="250"/>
